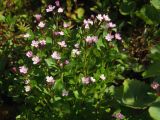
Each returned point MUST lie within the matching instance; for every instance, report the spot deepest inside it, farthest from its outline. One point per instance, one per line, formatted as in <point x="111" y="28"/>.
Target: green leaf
<point x="48" y="40"/>
<point x="154" y="110"/>
<point x="99" y="44"/>
<point x="153" y="70"/>
<point x="57" y="98"/>
<point x="149" y="14"/>
<point x="50" y="62"/>
<point x="58" y="86"/>
<point x="2" y="18"/>
<point x="156" y="3"/>
<point x="134" y="94"/>
<point x="127" y="8"/>
<point x="80" y="12"/>
<point x="76" y="94"/>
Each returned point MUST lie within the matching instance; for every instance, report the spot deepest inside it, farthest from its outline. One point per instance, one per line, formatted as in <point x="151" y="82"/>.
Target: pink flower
<point x="65" y="93"/>
<point x="14" y="69"/>
<point x="59" y="33"/>
<point x="87" y="23"/>
<point x="41" y="24"/>
<point x="60" y="10"/>
<point x="89" y="39"/>
<point x="50" y="8"/>
<point x="102" y="77"/>
<point x="56" y="55"/>
<point x="90" y="21"/>
<point x="35" y="43"/>
<point x="61" y="64"/>
<point x="66" y="62"/>
<point x="56" y="33"/>
<point x="23" y="69"/>
<point x="38" y="17"/>
<point x="36" y="60"/>
<point x="42" y="42"/>
<point x="29" y="54"/>
<point x="109" y="37"/>
<point x="27" y="88"/>
<point x="62" y="44"/>
<point x="155" y="85"/>
<point x="57" y="3"/>
<point x="99" y="17"/>
<point x="27" y="35"/>
<point x="111" y="25"/>
<point x="50" y="79"/>
<point x="85" y="80"/>
<point x="106" y="18"/>
<point x="92" y="39"/>
<point x="119" y="116"/>
<point x="118" y="36"/>
<point x="65" y="25"/>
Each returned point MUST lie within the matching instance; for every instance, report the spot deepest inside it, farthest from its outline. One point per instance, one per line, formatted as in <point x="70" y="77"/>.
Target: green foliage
<point x="127" y="8"/>
<point x="154" y="110"/>
<point x="134" y="94"/>
<point x="155" y="3"/>
<point x="153" y="68"/>
<point x="104" y="63"/>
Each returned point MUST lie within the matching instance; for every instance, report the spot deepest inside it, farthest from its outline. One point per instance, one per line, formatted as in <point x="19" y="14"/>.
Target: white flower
<point x="76" y="45"/>
<point x="36" y="60"/>
<point x="106" y="18"/>
<point x="41" y="24"/>
<point x="56" y="55"/>
<point x="62" y="44"/>
<point x="102" y="77"/>
<point x="65" y="93"/>
<point x="50" y="79"/>
<point x="76" y="52"/>
<point x="27" y="88"/>
<point x="27" y="81"/>
<point x="92" y="79"/>
<point x="60" y="10"/>
<point x="86" y="26"/>
<point x="99" y="17"/>
<point x="27" y="35"/>
<point x="61" y="33"/>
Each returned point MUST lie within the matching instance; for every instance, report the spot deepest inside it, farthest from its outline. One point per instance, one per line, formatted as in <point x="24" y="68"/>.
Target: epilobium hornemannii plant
<point x="67" y="69"/>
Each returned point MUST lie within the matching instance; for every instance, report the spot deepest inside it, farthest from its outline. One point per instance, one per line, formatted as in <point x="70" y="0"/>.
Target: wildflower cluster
<point x="63" y="63"/>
